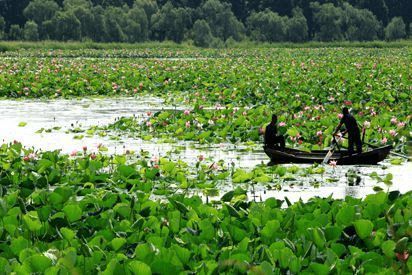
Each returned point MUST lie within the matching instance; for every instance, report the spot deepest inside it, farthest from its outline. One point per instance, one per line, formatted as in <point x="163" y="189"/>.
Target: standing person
<point x="272" y="140"/>
<point x="352" y="129"/>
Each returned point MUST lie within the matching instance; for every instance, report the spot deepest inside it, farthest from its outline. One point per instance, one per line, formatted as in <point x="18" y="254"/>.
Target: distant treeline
<point x="205" y="22"/>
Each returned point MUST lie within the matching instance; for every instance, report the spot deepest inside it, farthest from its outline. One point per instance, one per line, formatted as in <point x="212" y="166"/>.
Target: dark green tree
<point x="297" y="27"/>
<point x="329" y="21"/>
<point x="67" y="26"/>
<point x="12" y="11"/>
<point x="98" y="26"/>
<point x="202" y="36"/>
<point x="115" y="19"/>
<point x="267" y="26"/>
<point x="137" y="25"/>
<point x="395" y="29"/>
<point x="86" y="19"/>
<point x="2" y="27"/>
<point x="361" y="24"/>
<point x="15" y="32"/>
<point x="170" y="23"/>
<point x="221" y="20"/>
<point x="31" y="31"/>
<point x="41" y="10"/>
<point x="72" y="4"/>
<point x="149" y="6"/>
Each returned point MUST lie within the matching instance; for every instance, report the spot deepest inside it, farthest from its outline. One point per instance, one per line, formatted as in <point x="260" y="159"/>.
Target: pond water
<point x="63" y="114"/>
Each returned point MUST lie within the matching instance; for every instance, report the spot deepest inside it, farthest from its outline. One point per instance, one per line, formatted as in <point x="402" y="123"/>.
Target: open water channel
<point x="62" y="114"/>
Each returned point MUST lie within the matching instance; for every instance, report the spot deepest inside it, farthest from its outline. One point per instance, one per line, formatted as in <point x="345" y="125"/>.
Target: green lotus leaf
<point x="363" y="228"/>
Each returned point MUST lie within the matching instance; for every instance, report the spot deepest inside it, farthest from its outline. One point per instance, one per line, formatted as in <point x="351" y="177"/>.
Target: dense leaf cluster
<point x="89" y="214"/>
<point x="206" y="23"/>
<point x="229" y="98"/>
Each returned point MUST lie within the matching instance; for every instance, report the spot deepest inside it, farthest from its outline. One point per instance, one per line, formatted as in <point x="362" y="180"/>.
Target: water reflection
<point x="340" y="181"/>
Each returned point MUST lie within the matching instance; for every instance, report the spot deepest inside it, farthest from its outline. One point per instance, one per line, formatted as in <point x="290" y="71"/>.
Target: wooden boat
<point x="341" y="157"/>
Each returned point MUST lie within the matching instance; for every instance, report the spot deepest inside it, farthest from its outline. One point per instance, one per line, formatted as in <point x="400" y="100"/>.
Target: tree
<point x="12" y="11"/>
<point x="362" y="25"/>
<point x="202" y="36"/>
<point x="98" y="27"/>
<point x="221" y="20"/>
<point x="267" y="26"/>
<point x="377" y="7"/>
<point x="67" y="26"/>
<point x="329" y="21"/>
<point x="137" y="25"/>
<point x="40" y="10"/>
<point x="2" y="27"/>
<point x="31" y="31"/>
<point x="86" y="19"/>
<point x="72" y="4"/>
<point x="15" y="32"/>
<point x="149" y="6"/>
<point x="170" y="23"/>
<point x="114" y="19"/>
<point x="297" y="27"/>
<point x="410" y="30"/>
<point x="395" y="29"/>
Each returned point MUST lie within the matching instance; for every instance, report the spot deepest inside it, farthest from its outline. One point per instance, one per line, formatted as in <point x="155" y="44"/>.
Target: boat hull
<point x="289" y="155"/>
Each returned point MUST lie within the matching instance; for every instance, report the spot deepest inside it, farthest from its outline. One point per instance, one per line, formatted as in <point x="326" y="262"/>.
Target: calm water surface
<point x="87" y="112"/>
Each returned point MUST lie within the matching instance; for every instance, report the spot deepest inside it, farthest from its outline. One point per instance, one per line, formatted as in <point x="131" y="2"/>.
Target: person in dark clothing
<point x="272" y="140"/>
<point x="352" y="129"/>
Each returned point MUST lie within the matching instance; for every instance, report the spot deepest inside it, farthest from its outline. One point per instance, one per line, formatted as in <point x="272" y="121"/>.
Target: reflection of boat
<point x="341" y="157"/>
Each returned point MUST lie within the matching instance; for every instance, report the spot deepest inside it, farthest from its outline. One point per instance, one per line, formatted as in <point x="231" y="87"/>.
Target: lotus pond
<point x="141" y="162"/>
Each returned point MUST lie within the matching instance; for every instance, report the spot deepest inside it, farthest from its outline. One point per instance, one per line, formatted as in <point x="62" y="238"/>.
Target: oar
<point x="331" y="150"/>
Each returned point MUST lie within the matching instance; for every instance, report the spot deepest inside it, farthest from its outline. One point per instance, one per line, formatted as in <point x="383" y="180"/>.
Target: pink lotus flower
<point x="333" y="163"/>
<point x="319" y="133"/>
<point x="26" y="158"/>
<point x="340" y="116"/>
<point x="282" y="124"/>
<point x="187" y="112"/>
<point x="373" y="113"/>
<point x="384" y="140"/>
<point x="148" y="124"/>
<point x="367" y="124"/>
<point x="244" y="113"/>
<point x="401" y="124"/>
<point x="306" y="108"/>
<point x="394" y="120"/>
<point x="402" y="256"/>
<point x="85" y="148"/>
<point x="201" y="157"/>
<point x="347" y="102"/>
<point x="32" y="155"/>
<point x="187" y="124"/>
<point x="393" y="133"/>
<point x="73" y="153"/>
<point x="93" y="156"/>
<point x="214" y="166"/>
<point x="148" y="113"/>
<point x="154" y="159"/>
